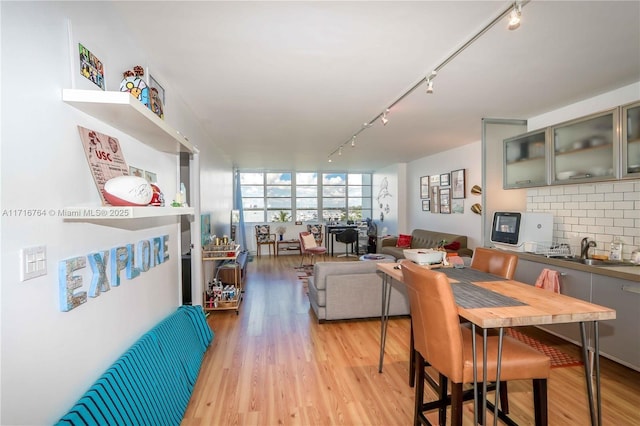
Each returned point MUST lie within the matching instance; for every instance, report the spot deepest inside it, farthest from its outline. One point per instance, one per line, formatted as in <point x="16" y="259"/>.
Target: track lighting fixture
<point x="511" y="11"/>
<point x="429" y="86"/>
<point x="384" y="118"/>
<point x="514" y="16"/>
<point x="330" y="160"/>
<point x="430" y="81"/>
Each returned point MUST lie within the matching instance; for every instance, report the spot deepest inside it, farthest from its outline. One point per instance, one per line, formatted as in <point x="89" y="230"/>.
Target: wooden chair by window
<point x="495" y="262"/>
<point x="445" y="344"/>
<point x="265" y="237"/>
<point x="309" y="247"/>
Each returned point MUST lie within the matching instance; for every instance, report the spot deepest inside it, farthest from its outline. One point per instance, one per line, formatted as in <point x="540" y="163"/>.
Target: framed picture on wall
<point x="434" y="199"/>
<point x="444" y="179"/>
<point x="457" y="184"/>
<point x="457" y="206"/>
<point x="424" y="187"/>
<point x="426" y="205"/>
<point x="445" y="200"/>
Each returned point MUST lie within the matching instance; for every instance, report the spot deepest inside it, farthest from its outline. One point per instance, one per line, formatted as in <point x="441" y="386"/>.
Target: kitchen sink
<point x="599" y="262"/>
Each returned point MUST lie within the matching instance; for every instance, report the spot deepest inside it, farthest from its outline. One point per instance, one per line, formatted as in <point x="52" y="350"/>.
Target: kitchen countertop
<point x="626" y="272"/>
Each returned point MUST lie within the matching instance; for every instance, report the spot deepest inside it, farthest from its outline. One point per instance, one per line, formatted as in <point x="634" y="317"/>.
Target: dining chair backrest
<point x="495" y="262"/>
<point x="434" y="315"/>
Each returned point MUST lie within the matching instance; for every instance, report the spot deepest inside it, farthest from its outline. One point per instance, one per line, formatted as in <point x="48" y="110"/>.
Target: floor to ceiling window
<point x="305" y="196"/>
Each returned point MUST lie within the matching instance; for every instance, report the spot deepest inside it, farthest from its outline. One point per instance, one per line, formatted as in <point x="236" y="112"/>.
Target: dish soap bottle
<point x="615" y="253"/>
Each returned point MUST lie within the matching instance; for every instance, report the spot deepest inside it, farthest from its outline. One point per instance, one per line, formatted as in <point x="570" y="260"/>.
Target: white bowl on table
<point x="424" y="256"/>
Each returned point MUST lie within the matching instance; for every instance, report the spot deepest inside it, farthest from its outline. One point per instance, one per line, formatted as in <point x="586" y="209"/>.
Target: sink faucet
<point x="585" y="244"/>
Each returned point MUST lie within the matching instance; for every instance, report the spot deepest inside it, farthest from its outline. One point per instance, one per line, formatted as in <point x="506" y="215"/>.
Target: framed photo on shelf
<point x="426" y="205"/>
<point x="457" y="184"/>
<point x="445" y="200"/>
<point x="424" y="187"/>
<point x="150" y="177"/>
<point x="153" y="83"/>
<point x="134" y="171"/>
<point x="444" y="179"/>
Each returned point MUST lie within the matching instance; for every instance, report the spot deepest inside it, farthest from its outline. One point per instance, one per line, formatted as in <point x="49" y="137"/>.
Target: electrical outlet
<point x="33" y="262"/>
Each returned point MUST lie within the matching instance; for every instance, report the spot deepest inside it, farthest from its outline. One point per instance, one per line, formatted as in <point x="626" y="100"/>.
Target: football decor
<point x="128" y="191"/>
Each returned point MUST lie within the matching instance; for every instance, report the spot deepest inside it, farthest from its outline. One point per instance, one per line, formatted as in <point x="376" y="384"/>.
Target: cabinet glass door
<point x="525" y="160"/>
<point x="631" y="140"/>
<point x="586" y="149"/>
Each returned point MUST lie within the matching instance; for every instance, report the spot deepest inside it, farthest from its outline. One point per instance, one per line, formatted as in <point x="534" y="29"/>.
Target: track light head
<point x="384" y="118"/>
<point x="330" y="160"/>
<point x="514" y="16"/>
<point x="353" y="141"/>
<point x="340" y="151"/>
<point x="429" y="86"/>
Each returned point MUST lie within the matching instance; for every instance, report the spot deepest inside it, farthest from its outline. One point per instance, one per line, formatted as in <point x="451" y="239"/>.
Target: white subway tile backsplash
<point x="614" y="196"/>
<point x="604" y="187"/>
<point x="601" y="211"/>
<point x="604" y="221"/>
<point x="595" y="197"/>
<point x="623" y="187"/>
<point x="623" y="205"/>
<point x="586" y="189"/>
<point x="572" y="189"/>
<point x="632" y="196"/>
<point x="613" y="213"/>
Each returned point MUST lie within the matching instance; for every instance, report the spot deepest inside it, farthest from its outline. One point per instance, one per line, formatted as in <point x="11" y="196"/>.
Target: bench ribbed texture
<point x="151" y="383"/>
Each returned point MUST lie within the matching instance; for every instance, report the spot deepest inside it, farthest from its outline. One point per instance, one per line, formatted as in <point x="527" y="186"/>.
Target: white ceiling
<point x="281" y="85"/>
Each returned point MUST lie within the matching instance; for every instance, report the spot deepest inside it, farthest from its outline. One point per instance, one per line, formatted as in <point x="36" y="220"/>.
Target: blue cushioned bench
<point x="151" y="383"/>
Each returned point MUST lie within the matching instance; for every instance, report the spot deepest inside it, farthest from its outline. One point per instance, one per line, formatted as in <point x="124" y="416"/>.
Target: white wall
<point x="49" y="358"/>
<point x="467" y="157"/>
<point x="389" y="198"/>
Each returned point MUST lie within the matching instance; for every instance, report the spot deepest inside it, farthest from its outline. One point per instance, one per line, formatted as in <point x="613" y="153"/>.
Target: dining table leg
<point x="595" y="409"/>
<point x="384" y="317"/>
<point x="475" y="373"/>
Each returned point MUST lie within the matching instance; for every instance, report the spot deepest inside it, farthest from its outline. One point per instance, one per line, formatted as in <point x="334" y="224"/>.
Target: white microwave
<point x="521" y="231"/>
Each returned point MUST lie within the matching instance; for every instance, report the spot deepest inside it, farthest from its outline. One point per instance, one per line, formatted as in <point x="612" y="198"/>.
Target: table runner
<point x="470" y="296"/>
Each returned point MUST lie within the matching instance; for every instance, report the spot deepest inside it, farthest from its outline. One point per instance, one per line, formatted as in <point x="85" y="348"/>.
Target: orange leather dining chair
<point x="495" y="262"/>
<point x="446" y="345"/>
<point x="309" y="247"/>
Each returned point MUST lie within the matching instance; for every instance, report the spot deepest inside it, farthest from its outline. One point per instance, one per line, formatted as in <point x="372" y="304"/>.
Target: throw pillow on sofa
<point x="404" y="241"/>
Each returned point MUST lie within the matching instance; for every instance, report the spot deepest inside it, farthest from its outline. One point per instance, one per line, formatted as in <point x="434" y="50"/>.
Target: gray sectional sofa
<point x="422" y="238"/>
<point x="349" y="290"/>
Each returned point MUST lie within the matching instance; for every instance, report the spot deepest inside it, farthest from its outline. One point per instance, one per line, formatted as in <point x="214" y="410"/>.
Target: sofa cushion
<point x="309" y="241"/>
<point x="323" y="269"/>
<point x="404" y="241"/>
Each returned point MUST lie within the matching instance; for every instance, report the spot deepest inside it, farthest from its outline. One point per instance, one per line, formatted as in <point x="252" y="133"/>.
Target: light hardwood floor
<point x="273" y="364"/>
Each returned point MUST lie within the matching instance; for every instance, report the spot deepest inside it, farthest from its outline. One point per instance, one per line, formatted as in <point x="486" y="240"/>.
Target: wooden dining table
<point x="491" y="302"/>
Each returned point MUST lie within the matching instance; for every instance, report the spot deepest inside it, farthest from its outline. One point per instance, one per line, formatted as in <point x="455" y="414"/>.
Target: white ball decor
<point x="128" y="191"/>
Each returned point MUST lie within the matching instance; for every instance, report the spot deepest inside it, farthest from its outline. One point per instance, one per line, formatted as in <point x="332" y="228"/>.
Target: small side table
<point x="287" y="245"/>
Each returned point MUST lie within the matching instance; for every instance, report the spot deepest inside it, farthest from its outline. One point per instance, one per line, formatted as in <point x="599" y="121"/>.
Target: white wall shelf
<point x="123" y="111"/>
<point x="124" y="212"/>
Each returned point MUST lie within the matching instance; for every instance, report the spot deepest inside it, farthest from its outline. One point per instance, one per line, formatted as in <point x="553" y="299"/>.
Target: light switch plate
<point x="33" y="262"/>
